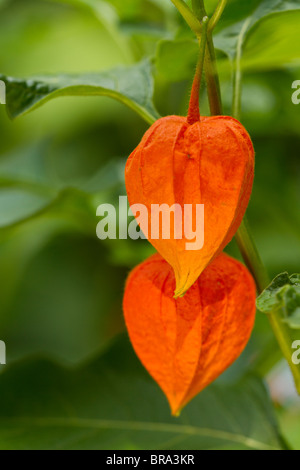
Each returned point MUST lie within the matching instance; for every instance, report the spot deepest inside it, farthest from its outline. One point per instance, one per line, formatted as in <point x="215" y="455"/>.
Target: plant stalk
<point x="217" y="14"/>
<point x="211" y="73"/>
<point x="243" y="237"/>
<point x="194" y="113"/>
<point x="251" y="255"/>
<point x="189" y="16"/>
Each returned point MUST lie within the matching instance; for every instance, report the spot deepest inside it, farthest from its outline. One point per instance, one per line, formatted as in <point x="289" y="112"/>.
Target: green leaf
<point x="48" y="289"/>
<point x="30" y="188"/>
<point x="283" y="293"/>
<point x="291" y="304"/>
<point x="268" y="299"/>
<point x="295" y="279"/>
<point x="18" y="205"/>
<point x="128" y="10"/>
<point x="265" y="39"/>
<point x="112" y="403"/>
<point x="279" y="36"/>
<point x="235" y="36"/>
<point x="132" y="86"/>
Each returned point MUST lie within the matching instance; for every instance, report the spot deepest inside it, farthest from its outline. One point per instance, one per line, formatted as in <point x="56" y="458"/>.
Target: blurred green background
<point x="61" y="287"/>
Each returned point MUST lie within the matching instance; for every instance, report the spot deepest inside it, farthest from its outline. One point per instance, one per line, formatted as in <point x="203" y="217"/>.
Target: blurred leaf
<point x="279" y="35"/>
<point x="106" y="14"/>
<point x="68" y="298"/>
<point x="132" y="86"/>
<point x="176" y="59"/>
<point x="25" y="191"/>
<point x="125" y="19"/>
<point x="18" y="205"/>
<point x="284" y="293"/>
<point x="236" y="35"/>
<point x="27" y="166"/>
<point x="101" y="9"/>
<point x="134" y="10"/>
<point x="125" y="10"/>
<point x="266" y="38"/>
<point x="113" y="404"/>
<point x="30" y="188"/>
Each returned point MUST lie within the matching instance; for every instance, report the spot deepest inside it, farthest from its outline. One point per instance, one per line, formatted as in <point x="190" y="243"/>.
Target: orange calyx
<point x="210" y="162"/>
<point x="186" y="344"/>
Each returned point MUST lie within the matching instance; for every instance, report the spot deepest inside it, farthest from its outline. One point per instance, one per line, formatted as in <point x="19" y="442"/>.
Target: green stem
<point x="211" y="73"/>
<point x="253" y="261"/>
<point x="217" y="15"/>
<point x="199" y="9"/>
<point x="194" y="113"/>
<point x="251" y="256"/>
<point x="212" y="79"/>
<point x="283" y="338"/>
<point x="189" y="16"/>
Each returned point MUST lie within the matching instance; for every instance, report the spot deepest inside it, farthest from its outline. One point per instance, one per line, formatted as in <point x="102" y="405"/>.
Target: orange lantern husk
<point x="185" y="344"/>
<point x="208" y="162"/>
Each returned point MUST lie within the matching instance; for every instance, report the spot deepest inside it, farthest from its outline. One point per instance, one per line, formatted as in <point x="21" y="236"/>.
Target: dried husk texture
<point x="185" y="344"/>
<point x="210" y="162"/>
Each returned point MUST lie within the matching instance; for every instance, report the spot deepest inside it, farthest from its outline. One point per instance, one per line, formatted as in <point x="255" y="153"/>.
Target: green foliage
<point x="112" y="403"/>
<point x="236" y="36"/>
<point x="62" y="288"/>
<point x="132" y="86"/>
<point x="283" y="293"/>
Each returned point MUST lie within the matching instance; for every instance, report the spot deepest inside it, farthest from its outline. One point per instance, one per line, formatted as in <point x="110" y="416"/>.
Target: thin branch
<point x="217" y="15"/>
<point x="194" y="113"/>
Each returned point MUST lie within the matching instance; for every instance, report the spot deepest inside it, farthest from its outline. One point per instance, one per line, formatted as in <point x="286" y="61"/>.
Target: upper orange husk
<point x="210" y="162"/>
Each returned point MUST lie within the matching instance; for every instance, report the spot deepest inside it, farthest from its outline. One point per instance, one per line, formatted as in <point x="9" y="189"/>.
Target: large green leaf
<point x="113" y="404"/>
<point x="259" y="39"/>
<point x="132" y="86"/>
<point x="279" y="35"/>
